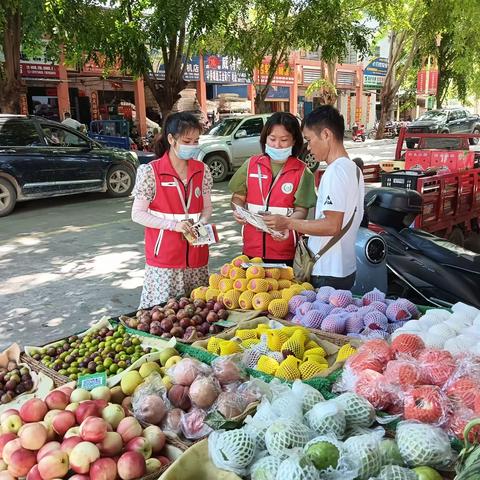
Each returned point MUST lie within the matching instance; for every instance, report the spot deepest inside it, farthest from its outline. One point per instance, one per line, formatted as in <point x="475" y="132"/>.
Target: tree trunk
<point x="11" y="84"/>
<point x="166" y="92"/>
<point x="260" y="96"/>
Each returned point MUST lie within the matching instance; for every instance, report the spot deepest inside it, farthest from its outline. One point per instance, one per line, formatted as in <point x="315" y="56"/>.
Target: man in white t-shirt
<point x="68" y="121"/>
<point x="339" y="207"/>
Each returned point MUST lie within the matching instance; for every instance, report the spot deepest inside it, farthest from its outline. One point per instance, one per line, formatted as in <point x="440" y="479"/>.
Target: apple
<point x="79" y="395"/>
<point x="93" y="429"/>
<point x="129" y="428"/>
<point x="6" y="475"/>
<point x="113" y="414"/>
<point x="12" y="424"/>
<point x="51" y="415"/>
<point x="140" y="445"/>
<point x="7" y="413"/>
<point x="101" y="393"/>
<point x="101" y="404"/>
<point x="53" y="465"/>
<point x="33" y="410"/>
<point x="9" y="448"/>
<point x="111" y="445"/>
<point x="63" y="422"/>
<point x="47" y="448"/>
<point x="127" y="404"/>
<point x="66" y="390"/>
<point x="72" y="432"/>
<point x="69" y="443"/>
<point x="51" y="435"/>
<point x="4" y="439"/>
<point x="153" y="465"/>
<point x="131" y="465"/>
<point x="164" y="460"/>
<point x="57" y="400"/>
<point x="72" y="407"/>
<point x="82" y="456"/>
<point x="155" y="437"/>
<point x="21" y="461"/>
<point x="77" y="476"/>
<point x="103" y="469"/>
<point x="88" y="408"/>
<point x="34" y="474"/>
<point x="33" y="436"/>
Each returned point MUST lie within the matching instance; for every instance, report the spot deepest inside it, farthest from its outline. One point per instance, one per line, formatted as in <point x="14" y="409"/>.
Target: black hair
<point x="326" y="116"/>
<point x="176" y="124"/>
<point x="291" y="125"/>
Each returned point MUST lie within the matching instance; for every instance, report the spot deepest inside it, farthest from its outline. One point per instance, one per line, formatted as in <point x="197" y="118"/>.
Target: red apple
<point x="93" y="429"/>
<point x="103" y="469"/>
<point x="7" y="413"/>
<point x="101" y="404"/>
<point x="33" y="410"/>
<point x="57" y="400"/>
<point x="34" y="474"/>
<point x="129" y="428"/>
<point x="88" y="408"/>
<point x="47" y="448"/>
<point x="53" y="465"/>
<point x="4" y="439"/>
<point x="21" y="461"/>
<point x="82" y="456"/>
<point x="33" y="436"/>
<point x="63" y="422"/>
<point x="113" y="414"/>
<point x="9" y="448"/>
<point x="155" y="437"/>
<point x="77" y="476"/>
<point x="164" y="460"/>
<point x="50" y="416"/>
<point x="111" y="445"/>
<point x="131" y="465"/>
<point x="140" y="445"/>
<point x="69" y="443"/>
<point x="66" y="390"/>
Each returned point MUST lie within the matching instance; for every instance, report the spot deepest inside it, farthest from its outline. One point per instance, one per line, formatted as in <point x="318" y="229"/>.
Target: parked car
<point x="232" y="141"/>
<point x="41" y="158"/>
<point x="448" y="120"/>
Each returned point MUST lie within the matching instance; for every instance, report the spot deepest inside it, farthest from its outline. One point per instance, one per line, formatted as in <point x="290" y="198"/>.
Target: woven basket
<point x="38" y="367"/>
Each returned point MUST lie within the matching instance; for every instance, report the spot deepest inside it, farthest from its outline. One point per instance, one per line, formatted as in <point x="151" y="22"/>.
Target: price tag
<point x="225" y="323"/>
<point x="89" y="382"/>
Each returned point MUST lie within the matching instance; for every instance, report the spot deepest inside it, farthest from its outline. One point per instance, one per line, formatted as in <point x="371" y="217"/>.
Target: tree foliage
<point x="274" y="28"/>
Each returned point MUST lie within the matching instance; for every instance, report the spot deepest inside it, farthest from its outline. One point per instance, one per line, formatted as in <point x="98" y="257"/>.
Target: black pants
<point x="339" y="283"/>
<point x="286" y="262"/>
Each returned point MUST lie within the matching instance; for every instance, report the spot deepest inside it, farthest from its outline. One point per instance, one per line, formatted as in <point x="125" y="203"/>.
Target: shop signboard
<point x="375" y="72"/>
<point x="284" y="75"/>
<point x="94" y="106"/>
<point x="192" y="70"/>
<point x="39" y="70"/>
<point x="278" y="93"/>
<point x="222" y="69"/>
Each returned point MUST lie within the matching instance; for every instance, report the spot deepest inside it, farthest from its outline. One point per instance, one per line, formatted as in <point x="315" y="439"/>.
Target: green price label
<point x="225" y="323"/>
<point x="89" y="382"/>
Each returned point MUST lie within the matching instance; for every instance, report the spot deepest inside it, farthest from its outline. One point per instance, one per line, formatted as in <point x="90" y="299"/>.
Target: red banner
<point x="422" y="82"/>
<point x="39" y="70"/>
<point x="284" y="75"/>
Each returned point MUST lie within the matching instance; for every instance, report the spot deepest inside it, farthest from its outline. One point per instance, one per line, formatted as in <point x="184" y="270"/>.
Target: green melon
<point x="323" y="454"/>
<point x="395" y="472"/>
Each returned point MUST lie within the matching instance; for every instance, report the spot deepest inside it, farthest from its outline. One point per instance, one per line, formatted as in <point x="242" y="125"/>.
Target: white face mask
<point x="278" y="154"/>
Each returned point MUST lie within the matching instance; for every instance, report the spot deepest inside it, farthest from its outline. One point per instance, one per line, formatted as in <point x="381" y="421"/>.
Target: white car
<point x="233" y="140"/>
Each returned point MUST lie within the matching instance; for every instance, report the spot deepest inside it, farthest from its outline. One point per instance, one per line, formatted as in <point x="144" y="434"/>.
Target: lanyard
<point x="186" y="206"/>
<point x="260" y="184"/>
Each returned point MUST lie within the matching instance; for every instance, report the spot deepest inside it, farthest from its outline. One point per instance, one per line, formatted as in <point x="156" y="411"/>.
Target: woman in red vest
<point x="275" y="181"/>
<point x="172" y="193"/>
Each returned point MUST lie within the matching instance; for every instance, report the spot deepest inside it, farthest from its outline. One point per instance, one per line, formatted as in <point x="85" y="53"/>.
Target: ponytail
<point x="175" y="124"/>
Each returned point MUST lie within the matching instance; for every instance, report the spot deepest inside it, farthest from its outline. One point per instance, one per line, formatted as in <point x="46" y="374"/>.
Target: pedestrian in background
<point x="339" y="209"/>
<point x="276" y="181"/>
<point x="172" y="193"/>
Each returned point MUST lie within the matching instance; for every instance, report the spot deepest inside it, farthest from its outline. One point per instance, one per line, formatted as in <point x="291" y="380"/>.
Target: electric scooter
<point x="421" y="266"/>
<point x="358" y="133"/>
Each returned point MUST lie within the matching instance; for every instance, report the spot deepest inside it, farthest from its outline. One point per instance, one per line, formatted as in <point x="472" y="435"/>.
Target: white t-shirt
<point x="339" y="191"/>
<point x="72" y="123"/>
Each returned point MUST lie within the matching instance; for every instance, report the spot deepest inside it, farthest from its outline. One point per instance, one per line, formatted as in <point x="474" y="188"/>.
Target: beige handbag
<point x="305" y="259"/>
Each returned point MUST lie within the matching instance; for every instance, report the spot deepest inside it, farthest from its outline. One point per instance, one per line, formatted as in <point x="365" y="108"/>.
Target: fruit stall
<point x="254" y="376"/>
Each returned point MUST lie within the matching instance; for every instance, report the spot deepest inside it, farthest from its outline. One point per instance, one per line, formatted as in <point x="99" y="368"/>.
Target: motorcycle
<point x="358" y="133"/>
<point x="392" y="130"/>
<point x="421" y="266"/>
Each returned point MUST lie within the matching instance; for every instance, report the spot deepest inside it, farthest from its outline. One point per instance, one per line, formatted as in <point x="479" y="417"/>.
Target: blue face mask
<point x="278" y="154"/>
<point x="185" y="152"/>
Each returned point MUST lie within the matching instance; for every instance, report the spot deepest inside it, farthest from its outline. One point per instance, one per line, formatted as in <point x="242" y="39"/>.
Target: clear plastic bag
<point x="229" y="369"/>
<point x="187" y="370"/>
<point x="149" y="402"/>
<point x="193" y="424"/>
<point x="172" y="422"/>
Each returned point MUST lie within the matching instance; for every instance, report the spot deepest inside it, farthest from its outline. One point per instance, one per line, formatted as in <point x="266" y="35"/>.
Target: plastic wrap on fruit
<point x="149" y="400"/>
<point x="427" y="404"/>
<point x="464" y="383"/>
<point x="172" y="421"/>
<point x="253" y="390"/>
<point x="230" y="404"/>
<point x="204" y="391"/>
<point x="458" y="420"/>
<point x="187" y="370"/>
<point x="229" y="369"/>
<point x="193" y="424"/>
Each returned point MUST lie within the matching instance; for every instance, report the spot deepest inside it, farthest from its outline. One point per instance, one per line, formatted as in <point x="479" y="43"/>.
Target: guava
<point x="427" y="473"/>
<point x="323" y="455"/>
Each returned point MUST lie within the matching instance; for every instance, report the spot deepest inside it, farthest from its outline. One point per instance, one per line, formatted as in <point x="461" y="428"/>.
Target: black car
<point x="448" y="120"/>
<point x="40" y="158"/>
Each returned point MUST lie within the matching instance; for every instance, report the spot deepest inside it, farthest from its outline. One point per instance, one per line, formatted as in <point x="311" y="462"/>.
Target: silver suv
<point x="232" y="141"/>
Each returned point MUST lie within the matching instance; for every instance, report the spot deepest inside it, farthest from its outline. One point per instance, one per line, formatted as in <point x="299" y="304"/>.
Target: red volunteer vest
<point x="275" y="195"/>
<point x="163" y="248"/>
